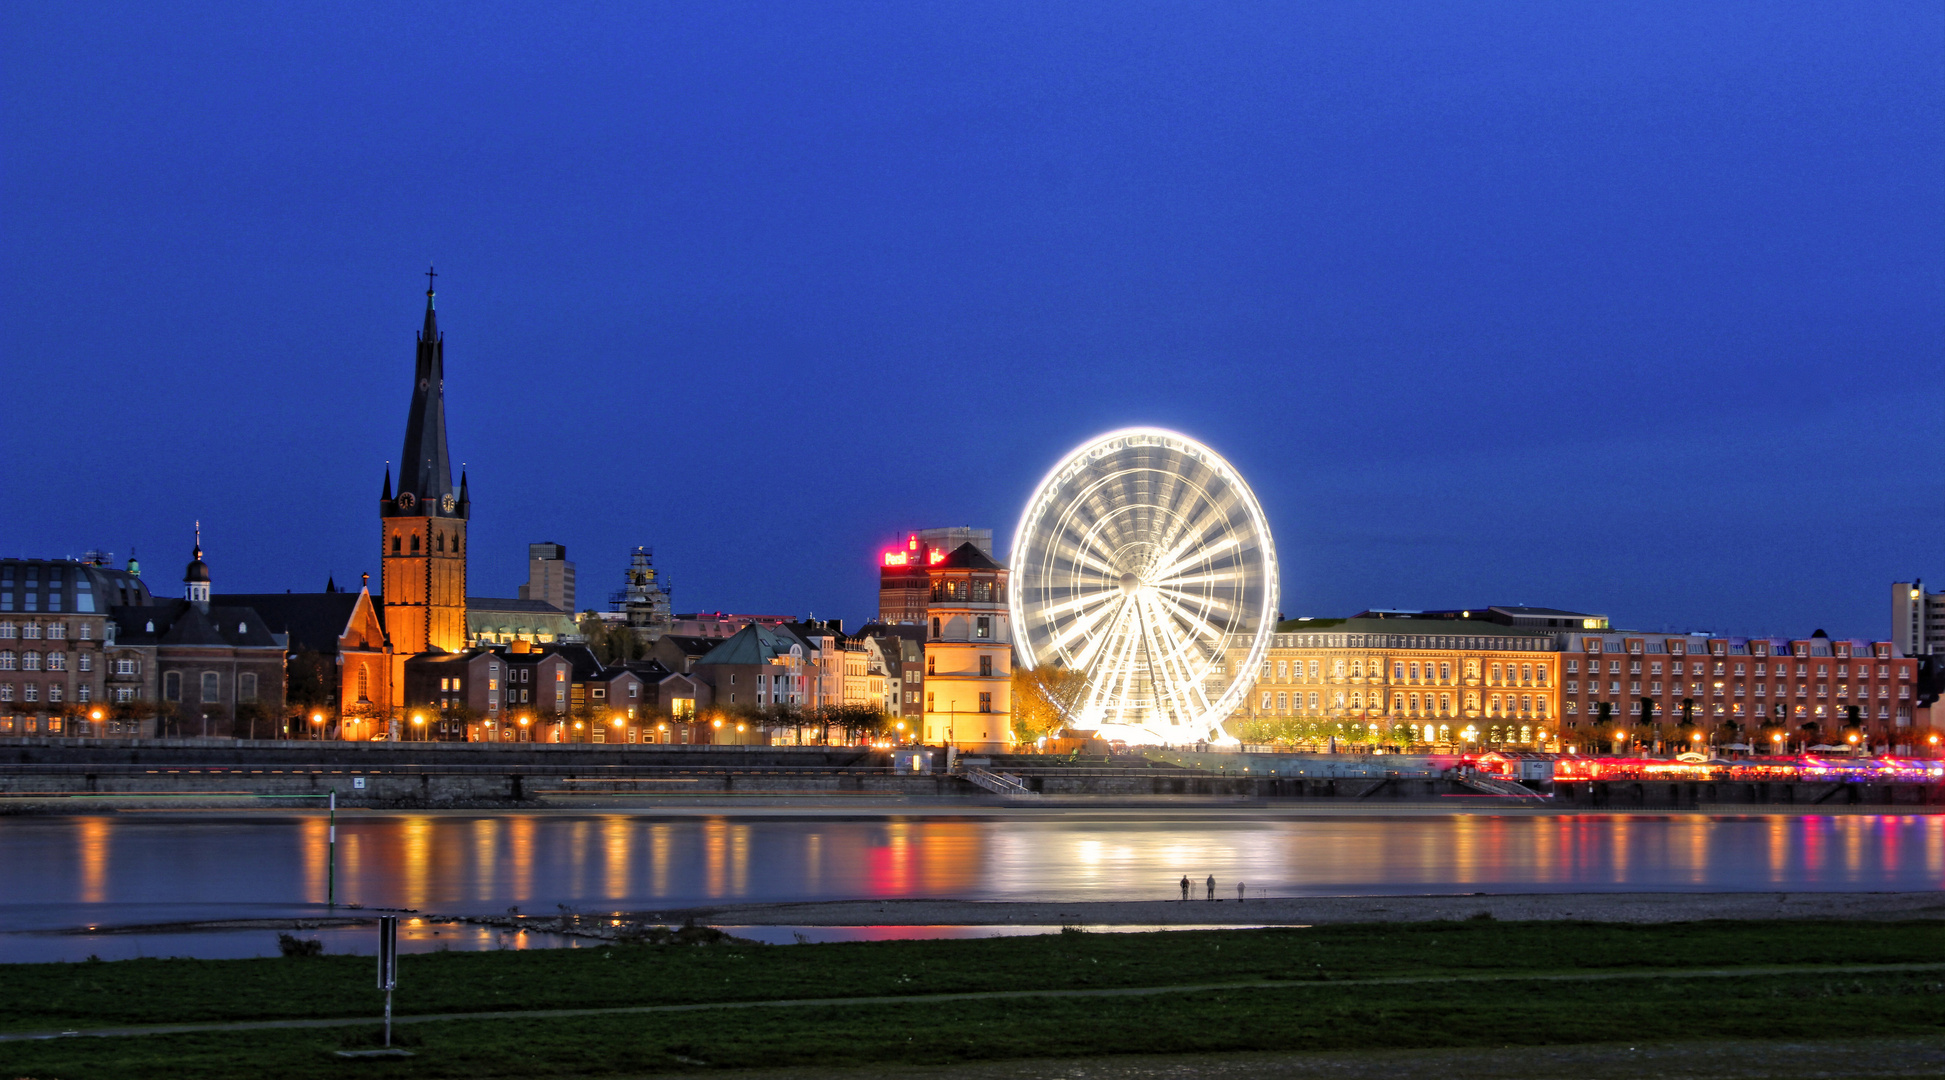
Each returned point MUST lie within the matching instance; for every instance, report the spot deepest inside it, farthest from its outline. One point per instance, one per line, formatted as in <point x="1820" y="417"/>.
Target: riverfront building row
<point x="1504" y="677"/>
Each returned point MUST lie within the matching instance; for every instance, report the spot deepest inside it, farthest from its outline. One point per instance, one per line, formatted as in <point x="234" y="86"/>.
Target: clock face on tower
<point x="405" y="500"/>
<point x="447" y="503"/>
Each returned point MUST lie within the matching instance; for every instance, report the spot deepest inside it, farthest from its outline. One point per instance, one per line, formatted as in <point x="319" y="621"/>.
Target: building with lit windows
<point x="1398" y="679"/>
<point x="54" y="630"/>
<point x="1811" y="690"/>
<point x="904" y="576"/>
<point x="968" y="653"/>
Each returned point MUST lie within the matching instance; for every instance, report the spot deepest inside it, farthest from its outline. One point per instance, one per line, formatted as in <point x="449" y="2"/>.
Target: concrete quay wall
<point x="106" y="790"/>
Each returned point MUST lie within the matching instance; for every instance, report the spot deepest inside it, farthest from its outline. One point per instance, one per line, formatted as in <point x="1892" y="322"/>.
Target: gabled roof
<point x="649" y="671"/>
<point x="179" y="622"/>
<point x="967" y="556"/>
<point x="314" y="621"/>
<point x="689" y="644"/>
<point x="754" y="644"/>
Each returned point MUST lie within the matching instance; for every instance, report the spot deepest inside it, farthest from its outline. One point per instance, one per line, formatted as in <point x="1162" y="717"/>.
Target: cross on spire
<point x="430" y="273"/>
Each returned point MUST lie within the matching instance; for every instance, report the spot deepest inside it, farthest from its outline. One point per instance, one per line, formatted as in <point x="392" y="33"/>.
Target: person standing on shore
<point x="1185" y="886"/>
<point x="1239" y="892"/>
<point x="1212" y="886"/>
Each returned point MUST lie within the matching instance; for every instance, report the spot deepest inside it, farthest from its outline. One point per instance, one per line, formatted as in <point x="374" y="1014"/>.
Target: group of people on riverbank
<point x="1212" y="888"/>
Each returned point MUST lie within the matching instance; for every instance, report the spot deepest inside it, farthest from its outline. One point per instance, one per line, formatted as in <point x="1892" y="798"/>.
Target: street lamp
<point x="418" y="721"/>
<point x="523" y="729"/>
<point x="317" y="726"/>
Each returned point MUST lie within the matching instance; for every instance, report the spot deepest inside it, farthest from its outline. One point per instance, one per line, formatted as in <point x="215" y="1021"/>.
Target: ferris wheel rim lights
<point x="1047" y="514"/>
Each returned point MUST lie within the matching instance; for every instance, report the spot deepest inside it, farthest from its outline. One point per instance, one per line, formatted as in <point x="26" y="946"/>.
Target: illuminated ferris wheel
<point x="1143" y="562"/>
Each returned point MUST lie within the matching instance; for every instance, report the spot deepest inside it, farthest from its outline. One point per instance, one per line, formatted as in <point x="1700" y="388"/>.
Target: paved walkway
<point x="982" y="995"/>
<point x="1712" y="1059"/>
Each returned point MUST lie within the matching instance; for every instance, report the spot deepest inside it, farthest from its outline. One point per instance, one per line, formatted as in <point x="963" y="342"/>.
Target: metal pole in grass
<point x="388" y="965"/>
<point x="331" y="856"/>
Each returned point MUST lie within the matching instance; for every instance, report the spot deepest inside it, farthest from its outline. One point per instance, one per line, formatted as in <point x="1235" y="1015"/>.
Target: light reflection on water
<point x="126" y="869"/>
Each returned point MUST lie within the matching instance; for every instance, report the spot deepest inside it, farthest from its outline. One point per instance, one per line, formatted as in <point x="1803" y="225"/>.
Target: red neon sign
<point x="935" y="557"/>
<point x="895" y="558"/>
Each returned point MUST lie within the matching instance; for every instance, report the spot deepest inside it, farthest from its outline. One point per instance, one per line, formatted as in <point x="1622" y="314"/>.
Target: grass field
<point x="1483" y="984"/>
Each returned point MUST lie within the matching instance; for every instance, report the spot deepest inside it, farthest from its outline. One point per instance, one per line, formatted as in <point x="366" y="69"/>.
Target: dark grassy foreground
<point x="1301" y="1003"/>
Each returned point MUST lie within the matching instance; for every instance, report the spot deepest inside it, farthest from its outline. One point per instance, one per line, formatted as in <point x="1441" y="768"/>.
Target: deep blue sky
<point x="1635" y="308"/>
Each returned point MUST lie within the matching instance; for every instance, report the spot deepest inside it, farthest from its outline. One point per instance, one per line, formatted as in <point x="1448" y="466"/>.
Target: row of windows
<point x="210" y="685"/>
<point x="54" y="661"/>
<point x="33" y="630"/>
<point x="1402" y="703"/>
<point x="1697" y="667"/>
<point x="1407" y="672"/>
<point x="985" y="702"/>
<point x="1756" y="648"/>
<point x="1843" y="690"/>
<point x="982" y="627"/>
<point x="1735" y="711"/>
<point x="438" y="543"/>
<point x="31" y="692"/>
<point x="976" y="591"/>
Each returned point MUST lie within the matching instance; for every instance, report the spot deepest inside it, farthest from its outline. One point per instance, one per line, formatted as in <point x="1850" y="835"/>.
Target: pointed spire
<point x="387" y="496"/>
<point x="431" y="331"/>
<point x="464" y="498"/>
<point x="425" y="469"/>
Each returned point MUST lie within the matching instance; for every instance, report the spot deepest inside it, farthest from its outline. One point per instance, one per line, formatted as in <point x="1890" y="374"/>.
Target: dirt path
<point x="1836" y="1059"/>
<point x="986" y="995"/>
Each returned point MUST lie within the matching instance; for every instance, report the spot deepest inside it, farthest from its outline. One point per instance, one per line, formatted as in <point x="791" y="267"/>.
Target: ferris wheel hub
<point x="1129" y="583"/>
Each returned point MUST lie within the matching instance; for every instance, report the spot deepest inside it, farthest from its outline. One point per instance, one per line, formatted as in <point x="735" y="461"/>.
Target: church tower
<point x="424" y="523"/>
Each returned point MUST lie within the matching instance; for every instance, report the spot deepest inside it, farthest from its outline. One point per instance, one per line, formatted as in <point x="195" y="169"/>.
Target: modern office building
<point x="1917" y="619"/>
<point x="550" y="577"/>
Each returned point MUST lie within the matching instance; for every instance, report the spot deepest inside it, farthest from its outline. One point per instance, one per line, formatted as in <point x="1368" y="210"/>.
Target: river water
<point x="62" y="873"/>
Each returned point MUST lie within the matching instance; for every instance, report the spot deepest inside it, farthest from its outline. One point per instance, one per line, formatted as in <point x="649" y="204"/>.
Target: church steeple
<point x="423" y="519"/>
<point x="425" y="467"/>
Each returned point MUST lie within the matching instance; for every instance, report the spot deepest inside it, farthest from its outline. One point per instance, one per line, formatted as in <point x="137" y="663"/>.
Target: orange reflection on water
<point x="659" y="838"/>
<point x="486" y="852"/>
<point x="521" y="851"/>
<point x="715" y="849"/>
<point x="949" y="858"/>
<point x="94" y="859"/>
<point x="415" y="859"/>
<point x="617" y="844"/>
<point x="313" y="840"/>
<point x="739" y="859"/>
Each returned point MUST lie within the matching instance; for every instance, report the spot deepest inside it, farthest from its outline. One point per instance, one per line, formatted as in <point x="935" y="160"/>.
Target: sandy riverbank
<point x="1606" y="907"/>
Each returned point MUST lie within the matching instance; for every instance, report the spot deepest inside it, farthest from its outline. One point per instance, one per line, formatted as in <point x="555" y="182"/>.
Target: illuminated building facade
<point x="1403" y="680"/>
<point x="1806" y="688"/>
<point x="904" y="578"/>
<point x="968" y="653"/>
<point x="55" y="632"/>
<point x="423" y="524"/>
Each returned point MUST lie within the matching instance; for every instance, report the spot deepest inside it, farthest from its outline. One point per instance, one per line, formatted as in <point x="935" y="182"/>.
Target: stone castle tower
<point x="424" y="524"/>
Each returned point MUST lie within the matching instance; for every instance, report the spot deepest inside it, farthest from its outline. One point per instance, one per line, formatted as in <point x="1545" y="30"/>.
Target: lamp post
<point x="317" y="726"/>
<point x="418" y="721"/>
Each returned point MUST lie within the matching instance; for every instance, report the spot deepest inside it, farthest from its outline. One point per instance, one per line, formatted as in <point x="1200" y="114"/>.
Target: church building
<point x="423" y="523"/>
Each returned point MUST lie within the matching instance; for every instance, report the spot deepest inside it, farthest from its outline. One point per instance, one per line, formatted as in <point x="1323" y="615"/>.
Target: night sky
<point x="1630" y="308"/>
